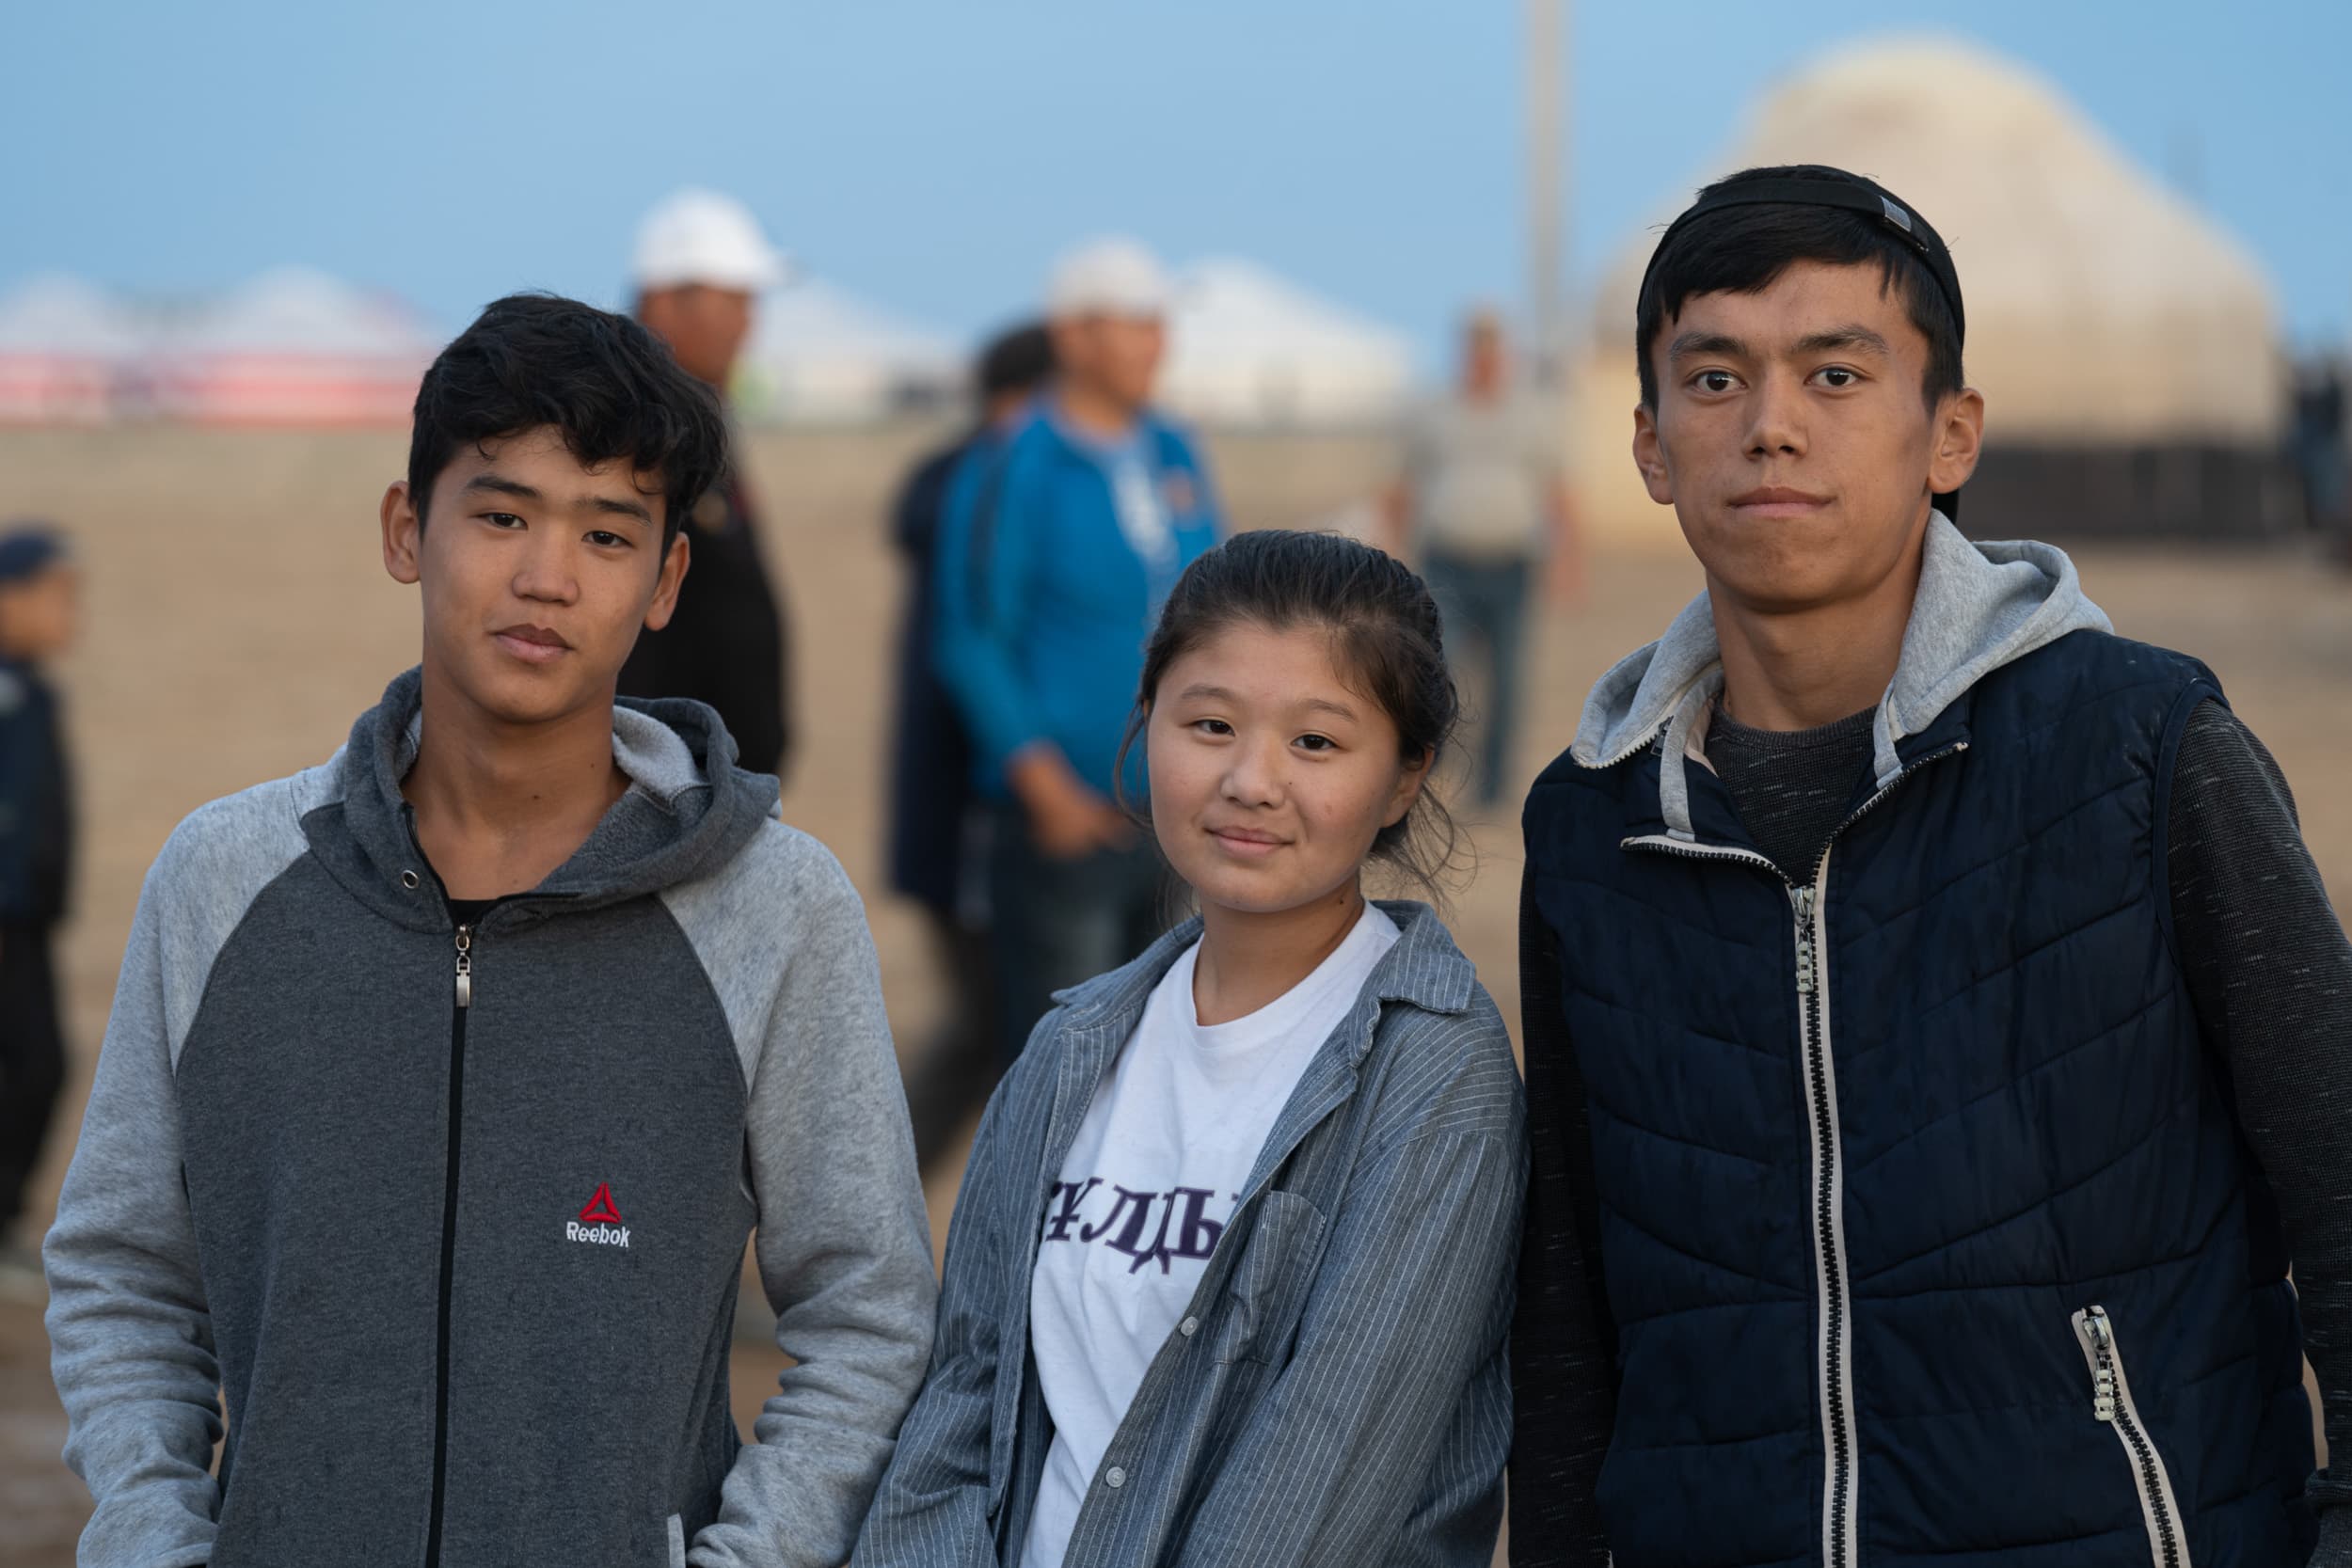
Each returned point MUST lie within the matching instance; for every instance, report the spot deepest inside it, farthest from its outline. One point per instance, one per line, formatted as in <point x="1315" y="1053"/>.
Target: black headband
<point x="1851" y="192"/>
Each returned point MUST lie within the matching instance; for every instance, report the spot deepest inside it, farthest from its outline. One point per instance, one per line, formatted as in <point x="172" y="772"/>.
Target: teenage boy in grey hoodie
<point x="1937" y="1030"/>
<point x="446" y="1080"/>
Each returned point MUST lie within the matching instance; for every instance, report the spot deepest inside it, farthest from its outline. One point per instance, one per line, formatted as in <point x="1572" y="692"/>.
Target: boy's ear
<point x="1649" y="455"/>
<point x="673" y="563"/>
<point x="1959" y="441"/>
<point x="404" y="534"/>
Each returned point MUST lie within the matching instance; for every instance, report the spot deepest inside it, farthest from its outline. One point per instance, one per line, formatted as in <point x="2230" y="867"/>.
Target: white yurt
<point x="292" y="346"/>
<point x="66" y="349"/>
<point x="1246" y="346"/>
<point x="823" y="355"/>
<point x="2104" y="310"/>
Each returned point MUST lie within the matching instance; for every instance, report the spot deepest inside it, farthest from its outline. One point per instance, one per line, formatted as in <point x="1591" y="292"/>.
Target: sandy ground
<point x="239" y="618"/>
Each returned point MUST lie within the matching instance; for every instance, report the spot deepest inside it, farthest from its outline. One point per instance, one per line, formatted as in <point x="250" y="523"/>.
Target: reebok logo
<point x="599" y="1221"/>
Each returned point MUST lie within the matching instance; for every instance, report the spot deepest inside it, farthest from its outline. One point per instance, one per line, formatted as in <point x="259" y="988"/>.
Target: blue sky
<point x="937" y="155"/>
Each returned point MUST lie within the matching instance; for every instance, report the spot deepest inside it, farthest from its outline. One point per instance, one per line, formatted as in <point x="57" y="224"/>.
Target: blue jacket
<point x="1337" y="1394"/>
<point x="1927" y="1233"/>
<point x="1044" y="606"/>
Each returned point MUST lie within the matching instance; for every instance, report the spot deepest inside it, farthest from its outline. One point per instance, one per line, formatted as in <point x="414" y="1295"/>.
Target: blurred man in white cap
<point x="701" y="262"/>
<point x="1052" y="562"/>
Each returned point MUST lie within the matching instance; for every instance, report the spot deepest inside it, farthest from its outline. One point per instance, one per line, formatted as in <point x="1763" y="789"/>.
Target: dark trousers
<point x="959" y="1070"/>
<point x="32" y="1059"/>
<point x="1058" y="922"/>
<point x="1485" y="606"/>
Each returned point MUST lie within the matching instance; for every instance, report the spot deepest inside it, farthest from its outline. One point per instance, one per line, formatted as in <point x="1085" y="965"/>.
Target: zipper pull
<point x="1803" y="898"/>
<point x="2102" y="1373"/>
<point x="465" y="966"/>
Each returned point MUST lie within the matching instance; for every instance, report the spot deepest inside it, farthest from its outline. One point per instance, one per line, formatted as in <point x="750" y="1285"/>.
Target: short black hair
<point x="1741" y="250"/>
<point x="1019" y="359"/>
<point x="613" y="388"/>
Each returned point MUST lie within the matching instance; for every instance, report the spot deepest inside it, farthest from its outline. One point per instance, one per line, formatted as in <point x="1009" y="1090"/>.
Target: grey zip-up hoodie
<point x="1979" y="606"/>
<point x="462" y="1253"/>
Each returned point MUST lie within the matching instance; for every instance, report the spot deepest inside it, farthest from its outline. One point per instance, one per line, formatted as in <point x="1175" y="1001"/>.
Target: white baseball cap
<point x="698" y="236"/>
<point x="1108" y="278"/>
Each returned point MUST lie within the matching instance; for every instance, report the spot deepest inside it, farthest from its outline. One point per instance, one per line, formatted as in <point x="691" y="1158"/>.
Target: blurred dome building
<point x="2127" y="346"/>
<point x="821" y="354"/>
<point x="1248" y="347"/>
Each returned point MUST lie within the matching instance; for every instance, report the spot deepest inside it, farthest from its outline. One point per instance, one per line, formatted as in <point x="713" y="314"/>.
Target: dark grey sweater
<point x="2270" y="973"/>
<point x="462" y="1255"/>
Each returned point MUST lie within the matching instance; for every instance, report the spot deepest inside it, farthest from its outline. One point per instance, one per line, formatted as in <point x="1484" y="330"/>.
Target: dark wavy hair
<point x="1742" y="250"/>
<point x="612" y="388"/>
<point x="1387" y="643"/>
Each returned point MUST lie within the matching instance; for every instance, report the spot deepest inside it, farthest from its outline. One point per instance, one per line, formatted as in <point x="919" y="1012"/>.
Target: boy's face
<point x="537" y="574"/>
<point x="40" y="616"/>
<point x="1791" y="438"/>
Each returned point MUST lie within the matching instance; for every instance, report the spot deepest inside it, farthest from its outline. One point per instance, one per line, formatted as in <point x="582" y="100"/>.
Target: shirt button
<point x="1188" y="1327"/>
<point x="1114" y="1478"/>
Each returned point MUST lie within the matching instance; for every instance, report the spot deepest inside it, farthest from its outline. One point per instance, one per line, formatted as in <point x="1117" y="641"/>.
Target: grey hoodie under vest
<point x="1979" y="606"/>
<point x="462" y="1253"/>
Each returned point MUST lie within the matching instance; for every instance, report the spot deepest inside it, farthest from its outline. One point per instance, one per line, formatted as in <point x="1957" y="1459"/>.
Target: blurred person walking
<point x="932" y="835"/>
<point x="1053" y="563"/>
<point x="40" y="591"/>
<point x="2319" y="448"/>
<point x="700" y="264"/>
<point x="1482" y="501"/>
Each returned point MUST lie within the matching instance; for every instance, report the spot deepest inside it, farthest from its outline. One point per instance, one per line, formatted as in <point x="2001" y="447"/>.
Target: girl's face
<point x="1270" y="773"/>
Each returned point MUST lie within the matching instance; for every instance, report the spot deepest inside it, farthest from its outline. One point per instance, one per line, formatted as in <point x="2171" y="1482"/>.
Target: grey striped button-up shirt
<point x="1337" y="1392"/>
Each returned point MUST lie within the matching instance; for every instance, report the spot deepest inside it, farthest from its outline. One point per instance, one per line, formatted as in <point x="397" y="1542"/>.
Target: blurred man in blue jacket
<point x="39" y="597"/>
<point x="1052" y="566"/>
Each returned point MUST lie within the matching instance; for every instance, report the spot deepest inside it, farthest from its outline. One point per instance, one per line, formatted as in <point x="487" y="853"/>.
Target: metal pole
<point x="1546" y="147"/>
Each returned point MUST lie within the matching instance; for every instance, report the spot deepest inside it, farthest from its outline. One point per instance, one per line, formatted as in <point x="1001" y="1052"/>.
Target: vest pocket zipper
<point x="2111" y="1402"/>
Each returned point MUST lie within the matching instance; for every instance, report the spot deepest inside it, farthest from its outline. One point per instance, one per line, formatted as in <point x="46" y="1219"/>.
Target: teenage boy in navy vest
<point x="446" y="1080"/>
<point x="1935" y="1027"/>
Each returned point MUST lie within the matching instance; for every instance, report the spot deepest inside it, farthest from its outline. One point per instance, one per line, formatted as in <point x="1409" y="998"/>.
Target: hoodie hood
<point x="1979" y="607"/>
<point x="688" y="810"/>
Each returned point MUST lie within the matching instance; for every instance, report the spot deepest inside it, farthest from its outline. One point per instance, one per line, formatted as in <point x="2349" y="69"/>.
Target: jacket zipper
<point x="1839" y="1508"/>
<point x="463" y="1002"/>
<point x="1836" y="1346"/>
<point x="2111" y="1402"/>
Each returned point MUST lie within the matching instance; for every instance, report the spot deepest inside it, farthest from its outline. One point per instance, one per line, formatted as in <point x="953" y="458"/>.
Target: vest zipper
<point x="462" y="1002"/>
<point x="1836" y="1341"/>
<point x="1840" y="1510"/>
<point x="2111" y="1402"/>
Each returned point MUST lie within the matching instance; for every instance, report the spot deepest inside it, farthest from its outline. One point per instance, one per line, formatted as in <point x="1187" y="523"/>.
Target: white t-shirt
<point x="1156" y="1172"/>
<point x="1130" y="465"/>
<point x="1135" y="498"/>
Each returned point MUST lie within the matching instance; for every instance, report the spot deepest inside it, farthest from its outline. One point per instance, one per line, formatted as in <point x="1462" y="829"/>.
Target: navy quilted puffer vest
<point x="1927" y="1233"/>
